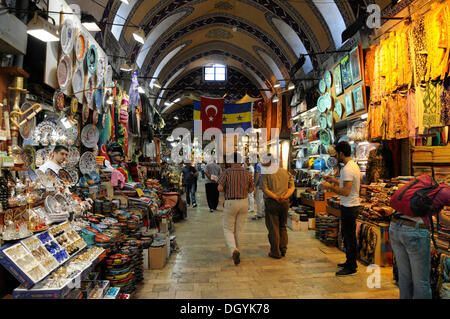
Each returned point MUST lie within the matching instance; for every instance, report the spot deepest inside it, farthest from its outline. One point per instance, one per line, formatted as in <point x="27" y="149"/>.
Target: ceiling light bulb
<point x="155" y="83"/>
<point x="276" y="85"/>
<point x="176" y="117"/>
<point x="125" y="67"/>
<point x="89" y="22"/>
<point x="291" y="86"/>
<point x="275" y="99"/>
<point x="125" y="1"/>
<point x="139" y="35"/>
<point x="40" y="28"/>
<point x="141" y="90"/>
<point x="177" y="100"/>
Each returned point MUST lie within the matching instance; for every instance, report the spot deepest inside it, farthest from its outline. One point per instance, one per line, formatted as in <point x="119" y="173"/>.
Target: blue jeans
<point x="412" y="250"/>
<point x="190" y="190"/>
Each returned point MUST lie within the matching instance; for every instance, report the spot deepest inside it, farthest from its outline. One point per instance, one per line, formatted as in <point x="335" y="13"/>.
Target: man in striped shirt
<point x="236" y="183"/>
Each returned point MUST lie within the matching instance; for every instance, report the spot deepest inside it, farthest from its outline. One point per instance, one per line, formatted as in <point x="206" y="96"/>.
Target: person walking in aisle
<point x="188" y="172"/>
<point x="277" y="189"/>
<point x="410" y="240"/>
<point x="195" y="173"/>
<point x="236" y="183"/>
<point x="251" y="196"/>
<point x="259" y="195"/>
<point x="202" y="168"/>
<point x="347" y="187"/>
<point x="212" y="173"/>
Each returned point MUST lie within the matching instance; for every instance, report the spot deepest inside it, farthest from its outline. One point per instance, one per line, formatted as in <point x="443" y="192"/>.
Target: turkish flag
<point x="211" y="113"/>
<point x="259" y="106"/>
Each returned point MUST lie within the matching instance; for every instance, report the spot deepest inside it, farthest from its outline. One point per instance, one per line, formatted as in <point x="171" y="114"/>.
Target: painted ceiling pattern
<point x="218" y="20"/>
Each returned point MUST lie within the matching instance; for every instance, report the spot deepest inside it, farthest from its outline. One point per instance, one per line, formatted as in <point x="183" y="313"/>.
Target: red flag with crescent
<point x="211" y="113"/>
<point x="259" y="106"/>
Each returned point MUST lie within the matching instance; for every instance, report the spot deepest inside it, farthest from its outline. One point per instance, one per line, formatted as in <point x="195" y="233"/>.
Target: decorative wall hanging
<point x="64" y="72"/>
<point x="321" y="104"/>
<point x="58" y="100"/>
<point x="89" y="89"/>
<point x="348" y="103"/>
<point x="92" y="59"/>
<point x="337" y="79"/>
<point x="78" y="82"/>
<point x="346" y="72"/>
<point x="328" y="79"/>
<point x="87" y="163"/>
<point x="330" y="119"/>
<point x="358" y="97"/>
<point x="328" y="101"/>
<point x="89" y="136"/>
<point x="80" y="46"/>
<point x="67" y="37"/>
<point x="322" y="86"/>
<point x="101" y="69"/>
<point x="85" y="114"/>
<point x="355" y="65"/>
<point x="338" y="108"/>
<point x="109" y="79"/>
<point x="74" y="105"/>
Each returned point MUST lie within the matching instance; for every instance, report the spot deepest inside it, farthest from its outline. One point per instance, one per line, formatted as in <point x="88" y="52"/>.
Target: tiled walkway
<point x="203" y="267"/>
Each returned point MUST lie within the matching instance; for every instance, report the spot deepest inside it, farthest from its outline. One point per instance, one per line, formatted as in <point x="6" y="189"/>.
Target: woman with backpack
<point x="409" y="233"/>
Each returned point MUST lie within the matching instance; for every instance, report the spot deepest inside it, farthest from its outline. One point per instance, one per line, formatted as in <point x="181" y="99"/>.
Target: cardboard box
<point x="293" y="225"/>
<point x="157" y="257"/>
<point x="312" y="223"/>
<point x="304" y="226"/>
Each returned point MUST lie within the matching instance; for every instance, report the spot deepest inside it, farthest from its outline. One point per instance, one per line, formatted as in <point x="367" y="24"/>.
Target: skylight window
<point x="215" y="72"/>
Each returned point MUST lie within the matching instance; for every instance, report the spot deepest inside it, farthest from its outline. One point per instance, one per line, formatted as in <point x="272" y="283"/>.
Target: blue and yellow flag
<point x="234" y="116"/>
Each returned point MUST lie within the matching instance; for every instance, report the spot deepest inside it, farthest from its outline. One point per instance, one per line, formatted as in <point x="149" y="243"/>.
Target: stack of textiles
<point x="442" y="174"/>
<point x="443" y="230"/>
<point x="332" y="230"/>
<point x="422" y="154"/>
<point x="422" y="170"/>
<point x="441" y="154"/>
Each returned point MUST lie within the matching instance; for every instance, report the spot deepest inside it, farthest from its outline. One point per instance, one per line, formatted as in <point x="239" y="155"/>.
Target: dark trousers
<point x="348" y="222"/>
<point x="190" y="193"/>
<point x="212" y="195"/>
<point x="276" y="223"/>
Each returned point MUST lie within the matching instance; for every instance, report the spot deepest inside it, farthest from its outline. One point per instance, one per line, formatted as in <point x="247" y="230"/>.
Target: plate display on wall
<point x="87" y="163"/>
<point x="109" y="79"/>
<point x="27" y="129"/>
<point x="74" y="105"/>
<point x="95" y="117"/>
<point x="338" y="108"/>
<point x="348" y="104"/>
<point x="89" y="88"/>
<point x="98" y="97"/>
<point x="58" y="100"/>
<point x="29" y="156"/>
<point x="358" y="97"/>
<point x="322" y="86"/>
<point x="321" y="104"/>
<point x="90" y="136"/>
<point x="78" y="82"/>
<point x="85" y="113"/>
<point x="337" y="79"/>
<point x="64" y="72"/>
<point x="322" y="121"/>
<point x="327" y="101"/>
<point x="42" y="156"/>
<point x="325" y="137"/>
<point x="73" y="174"/>
<point x="328" y="79"/>
<point x="80" y="46"/>
<point x="355" y="65"/>
<point x="329" y="119"/>
<point x="346" y="72"/>
<point x="91" y="59"/>
<point x="72" y="158"/>
<point x="67" y="37"/>
<point x="101" y="69"/>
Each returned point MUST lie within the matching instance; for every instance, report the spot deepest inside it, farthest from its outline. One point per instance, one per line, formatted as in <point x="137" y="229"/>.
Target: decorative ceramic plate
<point x="74" y="105"/>
<point x="64" y="72"/>
<point x="321" y="104"/>
<point x="325" y="137"/>
<point x="328" y="79"/>
<point x="58" y="100"/>
<point x="89" y="88"/>
<point x="322" y="86"/>
<point x="87" y="163"/>
<point x="28" y="156"/>
<point x="338" y="108"/>
<point x="71" y="133"/>
<point x="95" y="117"/>
<point x="72" y="158"/>
<point x="109" y="79"/>
<point x="66" y="178"/>
<point x="98" y="97"/>
<point x="327" y="100"/>
<point x="27" y="129"/>
<point x="323" y="121"/>
<point x="330" y="119"/>
<point x="91" y="59"/>
<point x="78" y="82"/>
<point x="67" y="37"/>
<point x="42" y="156"/>
<point x="89" y="136"/>
<point x="101" y="69"/>
<point x="80" y="46"/>
<point x="51" y="205"/>
<point x="45" y="132"/>
<point x="331" y="162"/>
<point x="85" y="114"/>
<point x="73" y="174"/>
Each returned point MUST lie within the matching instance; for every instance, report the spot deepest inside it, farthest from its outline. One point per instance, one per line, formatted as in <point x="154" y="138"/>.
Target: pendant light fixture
<point x="291" y="86"/>
<point x="275" y="99"/>
<point x="41" y="29"/>
<point x="139" y="35"/>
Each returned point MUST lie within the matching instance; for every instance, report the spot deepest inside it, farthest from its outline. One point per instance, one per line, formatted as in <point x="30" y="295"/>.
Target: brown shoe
<point x="236" y="255"/>
<point x="273" y="256"/>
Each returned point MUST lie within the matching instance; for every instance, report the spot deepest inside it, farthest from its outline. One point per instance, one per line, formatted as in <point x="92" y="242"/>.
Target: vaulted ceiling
<point x="261" y="38"/>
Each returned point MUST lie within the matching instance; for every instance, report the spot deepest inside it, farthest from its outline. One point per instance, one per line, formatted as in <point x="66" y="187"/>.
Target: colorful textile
<point x="432" y="105"/>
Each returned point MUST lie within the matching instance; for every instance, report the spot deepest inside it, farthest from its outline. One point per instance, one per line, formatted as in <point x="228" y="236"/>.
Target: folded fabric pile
<point x="443" y="230"/>
<point x="422" y="170"/>
<point x="422" y="154"/>
<point x="442" y="174"/>
<point x="441" y="154"/>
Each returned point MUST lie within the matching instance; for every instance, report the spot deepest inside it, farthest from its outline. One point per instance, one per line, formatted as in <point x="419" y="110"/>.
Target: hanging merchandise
<point x="89" y="89"/>
<point x="80" y="46"/>
<point x="90" y="136"/>
<point x="78" y="82"/>
<point x="67" y="37"/>
<point x="91" y="59"/>
<point x="26" y="130"/>
<point x="85" y="113"/>
<point x="64" y="72"/>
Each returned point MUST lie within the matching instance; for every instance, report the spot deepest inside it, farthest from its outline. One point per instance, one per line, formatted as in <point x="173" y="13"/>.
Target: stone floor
<point x="203" y="267"/>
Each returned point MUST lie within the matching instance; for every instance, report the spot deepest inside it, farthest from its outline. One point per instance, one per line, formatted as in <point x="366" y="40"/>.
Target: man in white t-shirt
<point x="347" y="187"/>
<point x="58" y="157"/>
